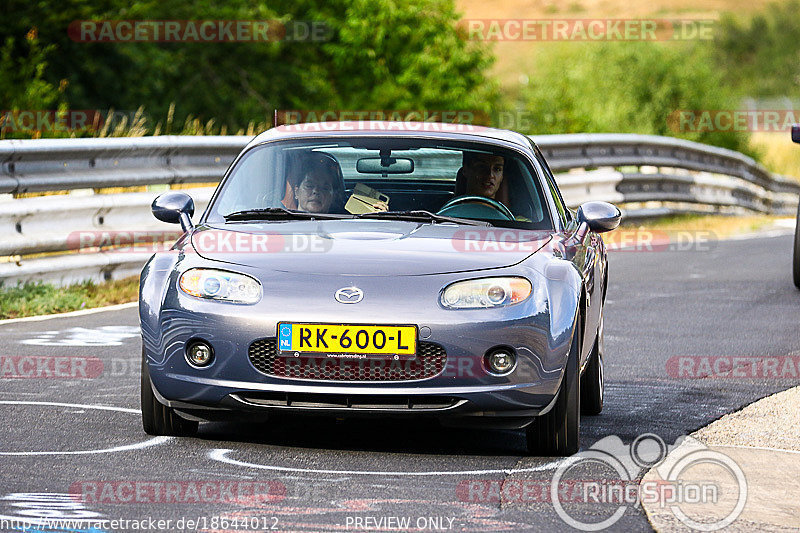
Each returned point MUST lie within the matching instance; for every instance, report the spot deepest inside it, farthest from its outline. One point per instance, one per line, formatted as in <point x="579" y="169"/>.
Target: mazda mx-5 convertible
<point x="380" y="269"/>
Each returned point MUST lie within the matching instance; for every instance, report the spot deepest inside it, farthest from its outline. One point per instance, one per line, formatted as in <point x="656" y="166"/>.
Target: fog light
<point x="199" y="354"/>
<point x="500" y="362"/>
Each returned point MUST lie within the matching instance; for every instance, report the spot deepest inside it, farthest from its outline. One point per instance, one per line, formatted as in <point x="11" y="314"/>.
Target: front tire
<point x="557" y="433"/>
<point x="593" y="380"/>
<point x="158" y="419"/>
<point x="796" y="258"/>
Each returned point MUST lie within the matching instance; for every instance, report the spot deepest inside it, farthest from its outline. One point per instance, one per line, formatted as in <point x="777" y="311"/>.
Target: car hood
<point x="365" y="247"/>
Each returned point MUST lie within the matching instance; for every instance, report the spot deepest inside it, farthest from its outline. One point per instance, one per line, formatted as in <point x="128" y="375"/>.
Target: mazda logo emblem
<point x="349" y="295"/>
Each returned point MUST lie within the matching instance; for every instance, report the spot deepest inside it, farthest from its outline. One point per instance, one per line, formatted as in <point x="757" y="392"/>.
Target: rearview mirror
<point x="599" y="216"/>
<point x="796" y="133"/>
<point x="385" y="165"/>
<point x="174" y="208"/>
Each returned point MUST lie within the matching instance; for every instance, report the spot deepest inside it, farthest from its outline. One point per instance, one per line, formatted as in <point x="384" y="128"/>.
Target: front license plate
<point x="346" y="340"/>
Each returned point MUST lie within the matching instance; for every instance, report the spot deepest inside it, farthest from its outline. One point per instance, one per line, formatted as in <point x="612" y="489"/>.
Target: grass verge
<point x="30" y="299"/>
<point x="721" y="226"/>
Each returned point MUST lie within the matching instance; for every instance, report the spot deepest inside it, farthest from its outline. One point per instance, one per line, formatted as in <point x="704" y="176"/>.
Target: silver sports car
<point x="380" y="269"/>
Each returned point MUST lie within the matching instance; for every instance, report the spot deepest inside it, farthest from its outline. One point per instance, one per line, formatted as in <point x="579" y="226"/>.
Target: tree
<point x="378" y="54"/>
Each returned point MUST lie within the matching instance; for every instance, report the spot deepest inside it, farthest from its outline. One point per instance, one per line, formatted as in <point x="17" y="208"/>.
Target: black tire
<point x="557" y="433"/>
<point x="593" y="380"/>
<point x="158" y="419"/>
<point x="796" y="258"/>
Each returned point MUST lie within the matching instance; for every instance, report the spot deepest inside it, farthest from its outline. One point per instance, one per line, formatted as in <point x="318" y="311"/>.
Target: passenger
<point x="483" y="174"/>
<point x="318" y="189"/>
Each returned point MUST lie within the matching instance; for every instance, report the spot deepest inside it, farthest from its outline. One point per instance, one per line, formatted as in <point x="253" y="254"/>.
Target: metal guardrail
<point x="66" y="164"/>
<point x="635" y="171"/>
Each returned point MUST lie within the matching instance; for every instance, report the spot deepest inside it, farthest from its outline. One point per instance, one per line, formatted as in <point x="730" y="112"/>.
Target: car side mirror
<point x="796" y="133"/>
<point x="599" y="216"/>
<point x="174" y="208"/>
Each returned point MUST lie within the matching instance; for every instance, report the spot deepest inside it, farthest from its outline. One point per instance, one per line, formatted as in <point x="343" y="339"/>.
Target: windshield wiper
<point x="276" y="213"/>
<point x="422" y="216"/>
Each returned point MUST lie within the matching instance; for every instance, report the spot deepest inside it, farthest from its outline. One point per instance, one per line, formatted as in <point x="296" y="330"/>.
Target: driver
<point x="317" y="190"/>
<point x="483" y="173"/>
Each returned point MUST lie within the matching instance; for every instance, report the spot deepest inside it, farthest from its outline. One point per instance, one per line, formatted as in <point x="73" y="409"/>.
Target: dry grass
<point x="516" y="59"/>
<point x="779" y="153"/>
<point x="721" y="226"/>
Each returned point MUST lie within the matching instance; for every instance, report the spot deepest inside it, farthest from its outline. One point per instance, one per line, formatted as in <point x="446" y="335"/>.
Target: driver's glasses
<point x="321" y="188"/>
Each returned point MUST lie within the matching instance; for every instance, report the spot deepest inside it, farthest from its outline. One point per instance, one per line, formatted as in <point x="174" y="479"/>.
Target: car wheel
<point x="796" y="262"/>
<point x="592" y="380"/>
<point x="557" y="432"/>
<point x="158" y="419"/>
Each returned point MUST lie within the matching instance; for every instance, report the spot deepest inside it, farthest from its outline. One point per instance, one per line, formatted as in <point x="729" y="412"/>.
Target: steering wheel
<point x="483" y="204"/>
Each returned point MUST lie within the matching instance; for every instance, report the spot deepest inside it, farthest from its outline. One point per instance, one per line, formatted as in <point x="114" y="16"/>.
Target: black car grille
<point x="430" y="361"/>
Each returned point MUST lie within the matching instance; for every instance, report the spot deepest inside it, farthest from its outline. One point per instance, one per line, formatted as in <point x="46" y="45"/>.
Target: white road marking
<point x="127" y="447"/>
<point x="102" y="336"/>
<point x="48" y="509"/>
<point x="221" y="454"/>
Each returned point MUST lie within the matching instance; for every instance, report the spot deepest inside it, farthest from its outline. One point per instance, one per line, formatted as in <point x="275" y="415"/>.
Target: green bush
<point x="22" y="81"/>
<point x="760" y="57"/>
<point x="628" y="87"/>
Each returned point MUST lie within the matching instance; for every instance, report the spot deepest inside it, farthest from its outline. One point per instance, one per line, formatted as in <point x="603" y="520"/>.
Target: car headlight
<point x="486" y="292"/>
<point x="220" y="285"/>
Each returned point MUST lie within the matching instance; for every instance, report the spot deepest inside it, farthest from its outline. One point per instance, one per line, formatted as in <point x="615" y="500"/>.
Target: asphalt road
<point x="321" y="475"/>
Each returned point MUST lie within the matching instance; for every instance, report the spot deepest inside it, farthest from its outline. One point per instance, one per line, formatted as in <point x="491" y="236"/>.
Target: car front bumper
<point x="538" y="330"/>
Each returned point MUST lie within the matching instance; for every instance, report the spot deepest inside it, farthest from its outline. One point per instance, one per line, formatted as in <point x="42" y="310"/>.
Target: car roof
<point x="461" y="132"/>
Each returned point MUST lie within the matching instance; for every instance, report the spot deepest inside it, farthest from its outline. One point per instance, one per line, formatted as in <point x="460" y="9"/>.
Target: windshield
<point x="383" y="178"/>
